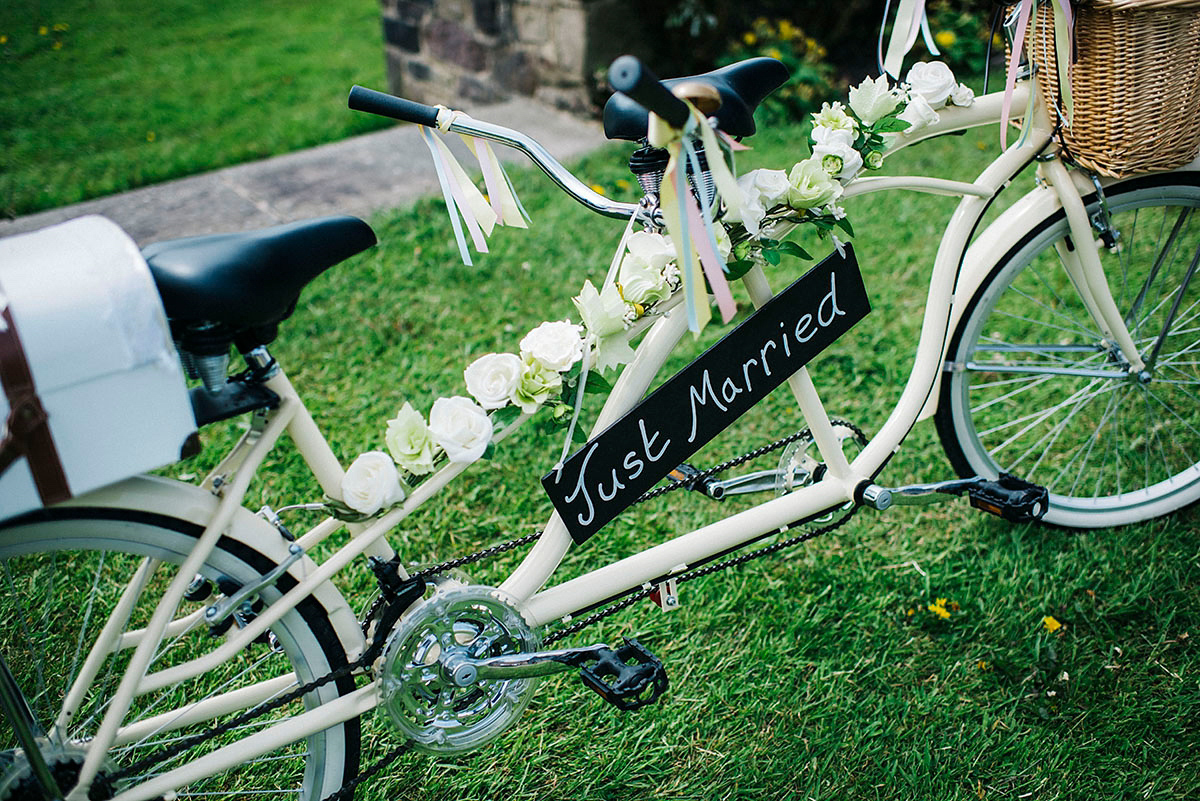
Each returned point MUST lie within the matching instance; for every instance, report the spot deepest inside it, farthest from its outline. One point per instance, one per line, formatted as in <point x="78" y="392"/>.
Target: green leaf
<point x="502" y="418"/>
<point x="890" y="125"/>
<point x="597" y="384"/>
<point x="579" y="435"/>
<point x="771" y="256"/>
<point x="738" y="268"/>
<point x="845" y="225"/>
<point x="489" y="451"/>
<point x="792" y="249"/>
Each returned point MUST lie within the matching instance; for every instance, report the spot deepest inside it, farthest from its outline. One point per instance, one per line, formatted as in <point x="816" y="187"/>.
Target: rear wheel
<point x="1033" y="388"/>
<point x="63" y="572"/>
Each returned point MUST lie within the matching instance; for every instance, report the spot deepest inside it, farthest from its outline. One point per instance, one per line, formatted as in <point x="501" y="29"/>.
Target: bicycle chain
<point x="378" y="640"/>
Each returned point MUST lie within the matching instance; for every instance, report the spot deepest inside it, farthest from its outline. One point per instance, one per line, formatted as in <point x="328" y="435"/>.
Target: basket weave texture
<point x="1135" y="81"/>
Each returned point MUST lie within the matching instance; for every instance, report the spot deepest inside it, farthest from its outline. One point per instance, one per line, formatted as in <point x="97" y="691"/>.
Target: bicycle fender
<point x="998" y="239"/>
<point x="170" y="498"/>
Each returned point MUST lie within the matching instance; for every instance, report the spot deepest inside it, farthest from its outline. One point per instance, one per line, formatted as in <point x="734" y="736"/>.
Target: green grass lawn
<point x="905" y="656"/>
<point x="100" y="97"/>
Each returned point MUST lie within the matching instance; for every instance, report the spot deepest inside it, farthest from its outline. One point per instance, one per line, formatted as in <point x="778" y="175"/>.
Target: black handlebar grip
<point x="631" y="77"/>
<point x="385" y="105"/>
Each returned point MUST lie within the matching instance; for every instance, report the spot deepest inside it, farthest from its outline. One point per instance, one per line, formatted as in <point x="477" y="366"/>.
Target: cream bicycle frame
<point x="951" y="285"/>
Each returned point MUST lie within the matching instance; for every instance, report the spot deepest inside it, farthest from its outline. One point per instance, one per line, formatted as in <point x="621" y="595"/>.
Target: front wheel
<point x="1033" y="388"/>
<point x="63" y="574"/>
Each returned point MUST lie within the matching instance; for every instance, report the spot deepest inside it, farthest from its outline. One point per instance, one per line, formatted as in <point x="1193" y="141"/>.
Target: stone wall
<point x="462" y="52"/>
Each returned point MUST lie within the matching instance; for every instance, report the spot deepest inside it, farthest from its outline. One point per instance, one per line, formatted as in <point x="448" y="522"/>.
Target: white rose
<point x="409" y="442"/>
<point x="933" y="81"/>
<point x="492" y="378"/>
<point x="811" y="186"/>
<point x="371" y="483"/>
<point x="963" y="96"/>
<point x="650" y="250"/>
<point x="834" y="117"/>
<point x="761" y="191"/>
<point x="642" y="284"/>
<point x="918" y="114"/>
<point x="873" y="99"/>
<point x="832" y="136"/>
<point x="847" y="160"/>
<point x="556" y="346"/>
<point x="461" y="427"/>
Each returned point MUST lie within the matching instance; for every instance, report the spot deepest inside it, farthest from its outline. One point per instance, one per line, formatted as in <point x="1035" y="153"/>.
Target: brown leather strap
<point x="28" y="431"/>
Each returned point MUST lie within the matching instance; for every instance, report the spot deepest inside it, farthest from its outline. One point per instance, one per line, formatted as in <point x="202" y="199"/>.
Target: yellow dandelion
<point x="983" y="665"/>
<point x="774" y="53"/>
<point x="42" y="31"/>
<point x="623" y="184"/>
<point x="3" y="39"/>
<point x="945" y="38"/>
<point x="57" y="45"/>
<point x="939" y="608"/>
<point x="598" y="189"/>
<point x="151" y="136"/>
<point x="787" y="31"/>
<point x="1051" y="624"/>
<point x="61" y="27"/>
<point x="749" y="39"/>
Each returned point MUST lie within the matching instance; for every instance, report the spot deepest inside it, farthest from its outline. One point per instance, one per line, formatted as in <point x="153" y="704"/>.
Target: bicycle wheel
<point x="62" y="573"/>
<point x="1032" y="388"/>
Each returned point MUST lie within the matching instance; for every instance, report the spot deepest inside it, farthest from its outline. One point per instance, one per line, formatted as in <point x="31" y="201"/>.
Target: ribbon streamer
<point x="463" y="199"/>
<point x="503" y="200"/>
<point x="690" y="226"/>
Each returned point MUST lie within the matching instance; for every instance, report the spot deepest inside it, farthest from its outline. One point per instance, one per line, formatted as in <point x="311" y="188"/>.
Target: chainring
<point x="420" y="698"/>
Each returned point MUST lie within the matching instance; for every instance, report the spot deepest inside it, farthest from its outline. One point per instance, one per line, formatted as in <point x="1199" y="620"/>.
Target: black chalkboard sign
<point x="636" y="452"/>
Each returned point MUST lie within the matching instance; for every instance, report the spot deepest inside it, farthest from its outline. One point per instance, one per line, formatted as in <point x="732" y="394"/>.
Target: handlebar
<point x="632" y="78"/>
<point x="385" y="105"/>
<point x="373" y="102"/>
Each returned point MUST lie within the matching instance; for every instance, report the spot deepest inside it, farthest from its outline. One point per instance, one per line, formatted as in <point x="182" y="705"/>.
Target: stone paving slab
<point x="358" y="176"/>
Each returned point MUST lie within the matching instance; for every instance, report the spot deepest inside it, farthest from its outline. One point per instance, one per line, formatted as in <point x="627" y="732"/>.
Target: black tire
<point x="1111" y="450"/>
<point x="61" y="572"/>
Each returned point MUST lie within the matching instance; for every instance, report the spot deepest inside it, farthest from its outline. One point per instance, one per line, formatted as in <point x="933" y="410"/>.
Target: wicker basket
<point x="1136" y="83"/>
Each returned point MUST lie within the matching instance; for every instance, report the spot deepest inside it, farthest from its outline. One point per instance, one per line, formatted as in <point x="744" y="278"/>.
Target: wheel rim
<point x="60" y="586"/>
<point x="1037" y="391"/>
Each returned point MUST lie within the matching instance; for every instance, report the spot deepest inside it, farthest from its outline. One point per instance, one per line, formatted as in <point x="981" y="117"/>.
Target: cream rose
<point x="371" y="483"/>
<point x="492" y="378"/>
<point x="409" y="442"/>
<point x="933" y="81"/>
<point x="461" y="427"/>
<point x="873" y="99"/>
<point x="537" y="384"/>
<point x="963" y="96"/>
<point x="556" y="346"/>
<point x="811" y="186"/>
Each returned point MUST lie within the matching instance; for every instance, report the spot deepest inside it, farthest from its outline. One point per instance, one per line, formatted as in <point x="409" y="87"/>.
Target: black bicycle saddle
<point x="742" y="87"/>
<point x="252" y="278"/>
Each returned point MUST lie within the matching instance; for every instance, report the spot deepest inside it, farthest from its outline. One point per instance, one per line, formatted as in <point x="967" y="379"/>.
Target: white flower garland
<point x="547" y="368"/>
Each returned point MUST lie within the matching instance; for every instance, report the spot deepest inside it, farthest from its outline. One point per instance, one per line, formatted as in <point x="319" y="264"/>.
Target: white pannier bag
<point x="87" y="361"/>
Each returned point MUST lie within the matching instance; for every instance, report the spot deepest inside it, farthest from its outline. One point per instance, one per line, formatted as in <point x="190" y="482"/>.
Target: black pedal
<point x="629" y="678"/>
<point x="1012" y="498"/>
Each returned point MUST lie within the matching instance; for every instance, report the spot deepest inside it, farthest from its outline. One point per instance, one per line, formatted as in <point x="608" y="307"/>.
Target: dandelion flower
<point x="945" y="38"/>
<point x="1051" y="624"/>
